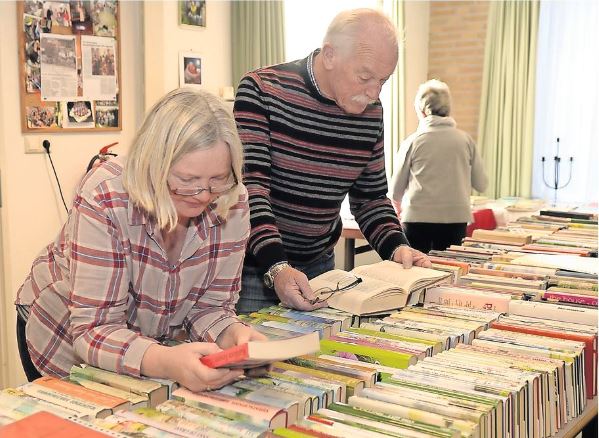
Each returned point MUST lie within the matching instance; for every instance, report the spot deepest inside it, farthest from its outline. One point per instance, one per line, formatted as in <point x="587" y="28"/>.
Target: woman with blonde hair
<point x="152" y="251"/>
<point x="437" y="169"/>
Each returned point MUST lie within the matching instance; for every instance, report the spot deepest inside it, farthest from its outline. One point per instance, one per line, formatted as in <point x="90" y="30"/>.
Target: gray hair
<point x="183" y="121"/>
<point x="349" y="26"/>
<point x="433" y="98"/>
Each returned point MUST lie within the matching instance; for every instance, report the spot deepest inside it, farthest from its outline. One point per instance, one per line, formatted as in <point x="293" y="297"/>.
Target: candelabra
<point x="556" y="173"/>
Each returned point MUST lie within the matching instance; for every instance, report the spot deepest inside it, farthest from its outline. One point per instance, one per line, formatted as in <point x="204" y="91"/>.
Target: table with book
<point x="497" y="340"/>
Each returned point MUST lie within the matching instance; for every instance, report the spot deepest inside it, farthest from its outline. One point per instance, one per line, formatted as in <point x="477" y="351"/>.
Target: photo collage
<point x="70" y="67"/>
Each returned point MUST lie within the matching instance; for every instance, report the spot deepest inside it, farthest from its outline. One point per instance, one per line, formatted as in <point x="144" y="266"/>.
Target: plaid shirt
<point x="104" y="291"/>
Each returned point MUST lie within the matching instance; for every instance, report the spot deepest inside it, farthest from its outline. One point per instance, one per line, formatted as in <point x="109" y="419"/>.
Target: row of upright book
<point x="486" y="352"/>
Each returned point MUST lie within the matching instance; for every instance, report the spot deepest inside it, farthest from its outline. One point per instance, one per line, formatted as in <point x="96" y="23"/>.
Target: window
<point x="567" y="101"/>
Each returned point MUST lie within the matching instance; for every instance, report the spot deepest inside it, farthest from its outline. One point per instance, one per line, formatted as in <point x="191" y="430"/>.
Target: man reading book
<point x="312" y="131"/>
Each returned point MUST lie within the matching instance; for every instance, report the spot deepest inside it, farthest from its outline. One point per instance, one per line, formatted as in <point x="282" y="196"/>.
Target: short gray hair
<point x="183" y="121"/>
<point x="433" y="98"/>
<point x="345" y="29"/>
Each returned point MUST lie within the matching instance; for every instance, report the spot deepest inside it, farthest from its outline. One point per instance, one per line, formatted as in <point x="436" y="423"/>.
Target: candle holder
<point x="556" y="173"/>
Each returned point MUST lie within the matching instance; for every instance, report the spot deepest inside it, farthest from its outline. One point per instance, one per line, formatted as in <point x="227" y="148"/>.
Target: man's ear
<point x="328" y="56"/>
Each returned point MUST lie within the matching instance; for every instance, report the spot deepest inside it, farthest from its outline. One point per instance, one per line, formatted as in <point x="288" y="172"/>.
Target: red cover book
<point x="258" y="353"/>
<point x="590" y="349"/>
<point x="45" y="425"/>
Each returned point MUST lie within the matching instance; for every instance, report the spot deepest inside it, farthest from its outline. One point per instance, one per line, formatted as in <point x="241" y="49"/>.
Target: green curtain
<point x="257" y="36"/>
<point x="396" y="129"/>
<point x="506" y="119"/>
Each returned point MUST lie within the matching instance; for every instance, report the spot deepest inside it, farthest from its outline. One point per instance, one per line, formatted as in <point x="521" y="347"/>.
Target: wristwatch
<point x="269" y="276"/>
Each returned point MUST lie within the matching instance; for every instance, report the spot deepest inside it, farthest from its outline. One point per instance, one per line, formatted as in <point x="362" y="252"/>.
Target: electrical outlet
<point x="34" y="145"/>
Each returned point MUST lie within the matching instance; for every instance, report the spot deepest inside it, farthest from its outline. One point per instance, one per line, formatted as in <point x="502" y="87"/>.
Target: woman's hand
<point x="182" y="364"/>
<point x="238" y="333"/>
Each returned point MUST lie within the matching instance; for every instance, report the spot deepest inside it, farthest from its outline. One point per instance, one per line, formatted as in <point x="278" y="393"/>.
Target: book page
<point x="325" y="283"/>
<point x="394" y="273"/>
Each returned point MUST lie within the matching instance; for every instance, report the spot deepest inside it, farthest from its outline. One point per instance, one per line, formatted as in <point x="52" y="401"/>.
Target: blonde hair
<point x="433" y="98"/>
<point x="183" y="121"/>
<point x="352" y="26"/>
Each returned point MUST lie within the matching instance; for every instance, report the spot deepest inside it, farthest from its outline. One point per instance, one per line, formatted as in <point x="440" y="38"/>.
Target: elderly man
<point x="312" y="131"/>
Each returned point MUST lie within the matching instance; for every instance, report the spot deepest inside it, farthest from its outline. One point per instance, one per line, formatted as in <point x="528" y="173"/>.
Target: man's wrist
<point x="392" y="257"/>
<point x="273" y="271"/>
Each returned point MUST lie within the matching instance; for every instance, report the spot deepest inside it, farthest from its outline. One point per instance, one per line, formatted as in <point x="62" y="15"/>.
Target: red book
<point x="258" y="353"/>
<point x="590" y="349"/>
<point x="45" y="425"/>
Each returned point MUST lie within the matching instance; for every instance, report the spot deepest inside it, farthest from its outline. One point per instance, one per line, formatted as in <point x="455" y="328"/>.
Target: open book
<point x="375" y="288"/>
<point x="257" y="353"/>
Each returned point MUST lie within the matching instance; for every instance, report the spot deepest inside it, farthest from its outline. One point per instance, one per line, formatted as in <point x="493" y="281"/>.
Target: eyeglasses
<point x="326" y="293"/>
<point x="213" y="190"/>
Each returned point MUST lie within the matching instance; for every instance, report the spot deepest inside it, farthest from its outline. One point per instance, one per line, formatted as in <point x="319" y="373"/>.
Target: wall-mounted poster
<point x="190" y="69"/>
<point x="69" y="65"/>
<point x="192" y="13"/>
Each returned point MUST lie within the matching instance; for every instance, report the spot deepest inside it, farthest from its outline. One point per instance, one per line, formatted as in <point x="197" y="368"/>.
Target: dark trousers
<point x="425" y="236"/>
<point x="30" y="370"/>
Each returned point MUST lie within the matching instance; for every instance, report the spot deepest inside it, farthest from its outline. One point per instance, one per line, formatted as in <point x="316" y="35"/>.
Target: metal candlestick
<point x="556" y="174"/>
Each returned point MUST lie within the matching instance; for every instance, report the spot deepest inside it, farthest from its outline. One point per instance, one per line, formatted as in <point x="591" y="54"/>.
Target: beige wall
<point x="456" y="55"/>
<point x="164" y="40"/>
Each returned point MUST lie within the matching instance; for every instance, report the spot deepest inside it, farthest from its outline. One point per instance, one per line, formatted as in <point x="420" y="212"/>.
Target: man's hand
<point x="409" y="256"/>
<point x="294" y="291"/>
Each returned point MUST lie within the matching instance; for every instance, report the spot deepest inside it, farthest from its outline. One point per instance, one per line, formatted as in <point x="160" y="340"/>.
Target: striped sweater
<point x="303" y="155"/>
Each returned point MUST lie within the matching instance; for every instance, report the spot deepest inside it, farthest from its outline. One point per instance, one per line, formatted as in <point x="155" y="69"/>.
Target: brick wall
<point x="456" y="55"/>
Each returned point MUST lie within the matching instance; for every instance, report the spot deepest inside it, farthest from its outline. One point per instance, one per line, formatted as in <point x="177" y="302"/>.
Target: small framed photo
<point x="190" y="69"/>
<point x="192" y="13"/>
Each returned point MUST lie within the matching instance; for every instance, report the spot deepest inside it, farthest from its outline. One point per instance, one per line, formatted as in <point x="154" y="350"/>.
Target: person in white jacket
<point x="437" y="168"/>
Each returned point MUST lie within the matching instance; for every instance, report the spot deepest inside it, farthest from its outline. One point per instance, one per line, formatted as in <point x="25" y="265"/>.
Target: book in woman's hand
<point x="259" y="353"/>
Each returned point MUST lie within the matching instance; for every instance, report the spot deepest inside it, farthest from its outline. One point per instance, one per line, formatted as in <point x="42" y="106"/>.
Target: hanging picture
<point x="192" y="13"/>
<point x="190" y="69"/>
<point x="69" y="65"/>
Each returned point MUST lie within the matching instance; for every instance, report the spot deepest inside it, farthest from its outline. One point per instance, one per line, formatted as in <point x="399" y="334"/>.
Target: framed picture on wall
<point x="192" y="13"/>
<point x="190" y="69"/>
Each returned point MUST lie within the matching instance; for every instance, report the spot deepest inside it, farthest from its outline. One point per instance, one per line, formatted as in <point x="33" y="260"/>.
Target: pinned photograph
<point x="56" y="14"/>
<point x="190" y="69"/>
<point x="81" y="18"/>
<point x="192" y="13"/>
<point x="107" y="114"/>
<point x="79" y="113"/>
<point x="41" y="116"/>
<point x="104" y="17"/>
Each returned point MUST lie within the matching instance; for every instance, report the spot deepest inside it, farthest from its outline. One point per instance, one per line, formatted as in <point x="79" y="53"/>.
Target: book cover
<point x="231" y="426"/>
<point x="155" y="391"/>
<point x="590" y="341"/>
<point x="258" y="412"/>
<point x="470" y="298"/>
<point x="84" y="408"/>
<point x="257" y="353"/>
<point x="47" y="425"/>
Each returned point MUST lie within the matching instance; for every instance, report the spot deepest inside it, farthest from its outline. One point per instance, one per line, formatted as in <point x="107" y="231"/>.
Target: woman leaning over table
<point x="152" y="249"/>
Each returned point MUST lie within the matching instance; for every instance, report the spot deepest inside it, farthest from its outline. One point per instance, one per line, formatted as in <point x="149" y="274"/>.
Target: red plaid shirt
<point x="104" y="291"/>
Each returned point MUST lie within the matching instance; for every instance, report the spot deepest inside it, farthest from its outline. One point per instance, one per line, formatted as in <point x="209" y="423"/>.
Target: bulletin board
<point x="69" y="65"/>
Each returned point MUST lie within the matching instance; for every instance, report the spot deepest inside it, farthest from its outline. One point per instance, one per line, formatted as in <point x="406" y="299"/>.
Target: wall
<point x="416" y="14"/>
<point x="32" y="212"/>
<point x="456" y="55"/>
<point x="164" y="40"/>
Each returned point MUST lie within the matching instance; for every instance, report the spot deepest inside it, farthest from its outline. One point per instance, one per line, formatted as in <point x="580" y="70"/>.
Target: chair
<point x="484" y="219"/>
